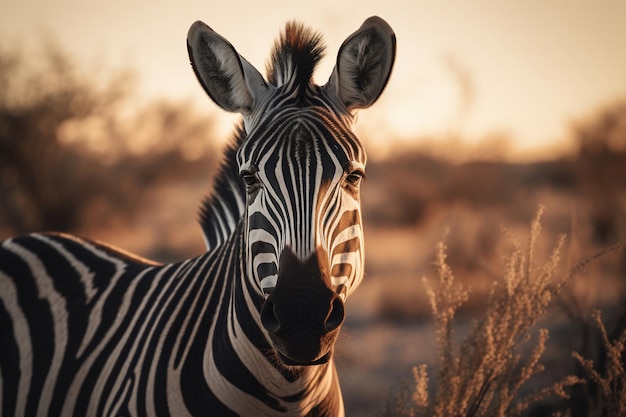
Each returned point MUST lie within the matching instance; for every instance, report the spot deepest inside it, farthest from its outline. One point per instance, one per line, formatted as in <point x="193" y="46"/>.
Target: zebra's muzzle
<point x="303" y="314"/>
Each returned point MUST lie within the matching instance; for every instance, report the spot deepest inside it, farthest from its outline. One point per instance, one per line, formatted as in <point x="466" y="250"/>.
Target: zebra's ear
<point x="231" y="81"/>
<point x="364" y="64"/>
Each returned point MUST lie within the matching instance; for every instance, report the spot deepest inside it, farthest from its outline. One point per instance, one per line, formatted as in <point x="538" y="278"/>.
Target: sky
<point x="476" y="69"/>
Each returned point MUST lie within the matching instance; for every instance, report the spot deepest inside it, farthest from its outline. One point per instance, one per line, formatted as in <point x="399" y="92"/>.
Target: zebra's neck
<point x="239" y="350"/>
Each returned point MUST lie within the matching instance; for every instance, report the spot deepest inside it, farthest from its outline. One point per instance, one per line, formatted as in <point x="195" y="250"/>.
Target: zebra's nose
<point x="269" y="319"/>
<point x="334" y="318"/>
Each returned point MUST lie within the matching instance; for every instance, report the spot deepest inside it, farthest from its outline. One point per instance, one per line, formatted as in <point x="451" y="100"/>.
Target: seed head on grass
<point x="420" y="394"/>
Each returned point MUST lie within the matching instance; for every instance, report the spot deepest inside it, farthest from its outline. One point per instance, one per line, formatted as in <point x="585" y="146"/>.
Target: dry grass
<point x="484" y="373"/>
<point x="610" y="396"/>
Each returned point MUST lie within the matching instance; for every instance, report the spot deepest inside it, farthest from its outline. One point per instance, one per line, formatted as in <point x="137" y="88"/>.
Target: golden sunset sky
<point x="528" y="69"/>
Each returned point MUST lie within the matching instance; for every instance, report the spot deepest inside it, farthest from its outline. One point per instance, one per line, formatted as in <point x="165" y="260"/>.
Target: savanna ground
<point x="74" y="158"/>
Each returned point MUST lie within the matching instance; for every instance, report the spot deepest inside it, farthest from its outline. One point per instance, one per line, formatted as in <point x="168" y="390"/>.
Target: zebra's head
<point x="301" y="166"/>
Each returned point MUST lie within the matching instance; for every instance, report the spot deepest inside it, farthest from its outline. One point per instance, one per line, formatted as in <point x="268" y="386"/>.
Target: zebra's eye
<point x="249" y="179"/>
<point x="354" y="178"/>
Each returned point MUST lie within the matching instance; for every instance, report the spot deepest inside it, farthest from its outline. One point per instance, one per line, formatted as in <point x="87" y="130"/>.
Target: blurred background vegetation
<point x="80" y="154"/>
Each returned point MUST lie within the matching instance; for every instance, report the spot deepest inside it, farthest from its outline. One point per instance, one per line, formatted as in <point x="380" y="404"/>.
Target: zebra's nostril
<point x="269" y="318"/>
<point x="336" y="315"/>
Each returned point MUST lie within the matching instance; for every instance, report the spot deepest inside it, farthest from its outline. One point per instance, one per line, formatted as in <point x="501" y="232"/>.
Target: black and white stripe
<point x="247" y="328"/>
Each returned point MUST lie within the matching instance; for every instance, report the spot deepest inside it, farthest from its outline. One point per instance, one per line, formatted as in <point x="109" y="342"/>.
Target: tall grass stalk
<point x="483" y="374"/>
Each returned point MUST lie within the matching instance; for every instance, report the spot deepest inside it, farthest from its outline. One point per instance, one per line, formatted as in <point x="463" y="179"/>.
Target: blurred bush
<point x="405" y="190"/>
<point x="76" y="149"/>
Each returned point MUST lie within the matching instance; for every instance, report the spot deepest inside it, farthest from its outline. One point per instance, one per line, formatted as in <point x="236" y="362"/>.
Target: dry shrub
<point x="482" y="375"/>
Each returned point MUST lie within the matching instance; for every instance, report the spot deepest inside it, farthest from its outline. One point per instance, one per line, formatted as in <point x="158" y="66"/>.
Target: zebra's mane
<point x="292" y="62"/>
<point x="221" y="209"/>
<point x="295" y="56"/>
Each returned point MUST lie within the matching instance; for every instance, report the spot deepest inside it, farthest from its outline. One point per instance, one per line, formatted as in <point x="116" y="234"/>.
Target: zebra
<point x="247" y="328"/>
